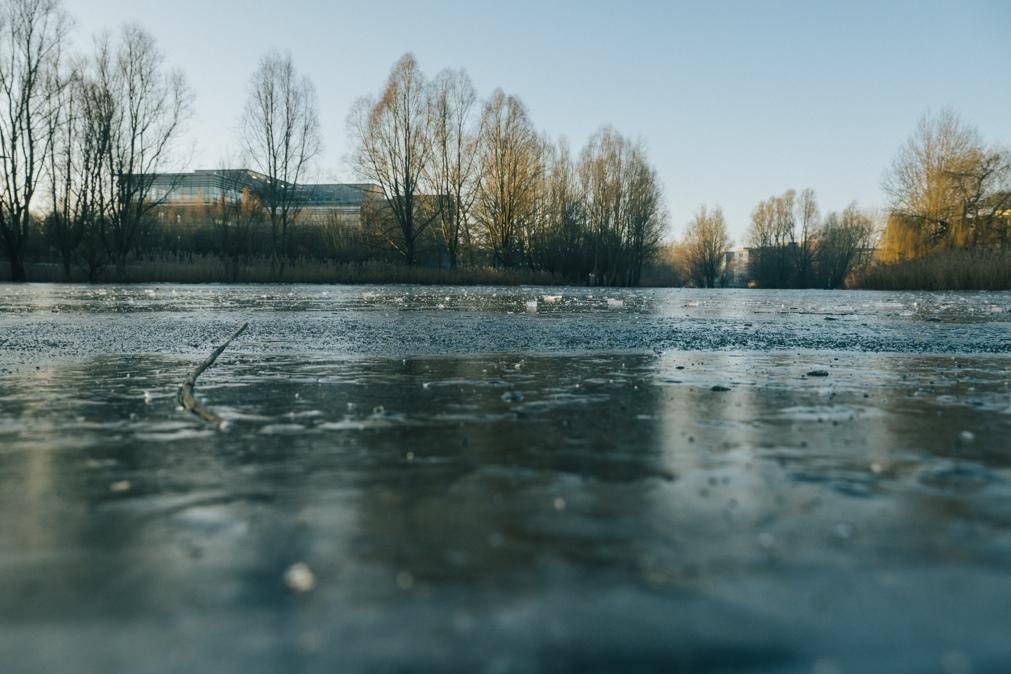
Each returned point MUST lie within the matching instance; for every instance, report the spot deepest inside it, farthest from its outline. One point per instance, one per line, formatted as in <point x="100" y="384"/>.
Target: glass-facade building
<point x="203" y="188"/>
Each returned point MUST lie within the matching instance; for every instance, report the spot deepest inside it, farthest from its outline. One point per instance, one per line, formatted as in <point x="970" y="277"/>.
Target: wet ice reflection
<point x="526" y="503"/>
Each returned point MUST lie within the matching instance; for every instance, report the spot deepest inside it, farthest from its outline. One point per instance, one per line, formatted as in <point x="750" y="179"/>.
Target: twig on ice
<point x="185" y="396"/>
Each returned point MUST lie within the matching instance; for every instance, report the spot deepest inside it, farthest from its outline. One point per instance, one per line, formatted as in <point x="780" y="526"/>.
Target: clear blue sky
<point x="736" y="100"/>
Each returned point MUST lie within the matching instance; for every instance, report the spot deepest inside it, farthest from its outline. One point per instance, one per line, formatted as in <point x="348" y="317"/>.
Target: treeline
<point x="947" y="226"/>
<point x="481" y="178"/>
<point x="460" y="181"/>
<point x="84" y="133"/>
<point x="789" y="245"/>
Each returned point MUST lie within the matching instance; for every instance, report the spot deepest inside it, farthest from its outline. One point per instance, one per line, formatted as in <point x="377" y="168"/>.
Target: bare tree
<point x="766" y="254"/>
<point x="90" y="164"/>
<point x="645" y="212"/>
<point x="948" y="190"/>
<point x="623" y="207"/>
<point x="784" y="221"/>
<point x="149" y="106"/>
<point x="705" y="246"/>
<point x="777" y="258"/>
<point x="510" y="153"/>
<point x="454" y="166"/>
<point x="843" y="240"/>
<point x="394" y="149"/>
<point x="32" y="33"/>
<point x="280" y="133"/>
<point x="81" y="188"/>
<point x="982" y="189"/>
<point x="559" y="241"/>
<point x="600" y="169"/>
<point x="808" y="218"/>
<point x="921" y="183"/>
<point x="62" y="225"/>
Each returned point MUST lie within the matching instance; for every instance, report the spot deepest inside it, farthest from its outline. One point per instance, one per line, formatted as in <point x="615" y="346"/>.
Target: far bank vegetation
<point x="460" y="183"/>
<point x="947" y="226"/>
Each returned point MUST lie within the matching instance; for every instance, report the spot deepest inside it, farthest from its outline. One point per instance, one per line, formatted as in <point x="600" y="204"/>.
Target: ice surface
<point x="404" y="488"/>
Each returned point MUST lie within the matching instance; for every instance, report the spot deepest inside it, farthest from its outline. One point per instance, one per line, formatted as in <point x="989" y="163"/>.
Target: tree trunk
<point x="409" y="252"/>
<point x="121" y="267"/>
<point x="18" y="274"/>
<point x="284" y="247"/>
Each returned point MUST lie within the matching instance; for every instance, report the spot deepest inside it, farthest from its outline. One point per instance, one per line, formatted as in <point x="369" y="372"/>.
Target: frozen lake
<point x="505" y="480"/>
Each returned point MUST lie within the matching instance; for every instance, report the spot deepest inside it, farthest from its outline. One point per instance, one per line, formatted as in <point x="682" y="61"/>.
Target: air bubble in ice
<point x="299" y="578"/>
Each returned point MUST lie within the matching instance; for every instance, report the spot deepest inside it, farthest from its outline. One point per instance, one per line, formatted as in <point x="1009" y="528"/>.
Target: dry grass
<point x="951" y="270"/>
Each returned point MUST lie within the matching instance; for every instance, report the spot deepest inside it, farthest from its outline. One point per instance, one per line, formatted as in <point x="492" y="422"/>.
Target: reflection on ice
<point x="378" y="509"/>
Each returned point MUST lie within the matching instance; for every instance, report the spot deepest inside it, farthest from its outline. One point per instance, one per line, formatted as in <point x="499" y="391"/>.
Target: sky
<point x="735" y="101"/>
